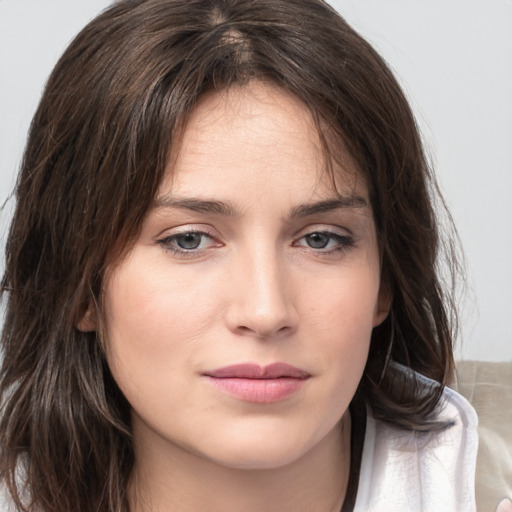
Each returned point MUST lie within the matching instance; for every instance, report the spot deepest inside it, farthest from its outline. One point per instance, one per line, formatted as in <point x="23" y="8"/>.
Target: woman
<point x="222" y="276"/>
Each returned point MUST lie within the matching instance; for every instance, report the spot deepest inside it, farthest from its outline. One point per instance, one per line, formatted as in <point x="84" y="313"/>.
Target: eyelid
<point x="187" y="228"/>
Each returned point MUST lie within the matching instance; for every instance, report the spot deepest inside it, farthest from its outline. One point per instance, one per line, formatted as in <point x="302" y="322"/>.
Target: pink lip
<point x="253" y="383"/>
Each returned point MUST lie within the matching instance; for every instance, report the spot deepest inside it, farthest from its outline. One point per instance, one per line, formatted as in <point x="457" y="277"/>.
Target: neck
<point x="182" y="481"/>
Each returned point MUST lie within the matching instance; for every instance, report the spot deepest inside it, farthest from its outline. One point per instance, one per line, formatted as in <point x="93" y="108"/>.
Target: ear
<point x="383" y="305"/>
<point x="88" y="322"/>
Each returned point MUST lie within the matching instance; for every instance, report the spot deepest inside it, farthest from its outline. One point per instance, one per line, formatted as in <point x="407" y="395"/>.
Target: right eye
<point x="188" y="242"/>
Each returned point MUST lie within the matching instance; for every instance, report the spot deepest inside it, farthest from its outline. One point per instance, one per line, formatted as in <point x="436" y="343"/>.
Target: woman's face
<point x="239" y="324"/>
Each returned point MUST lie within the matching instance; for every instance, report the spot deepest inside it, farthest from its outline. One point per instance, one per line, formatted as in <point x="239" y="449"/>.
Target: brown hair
<point x="96" y="154"/>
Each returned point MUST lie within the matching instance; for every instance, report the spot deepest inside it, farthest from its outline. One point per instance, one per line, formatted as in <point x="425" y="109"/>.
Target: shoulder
<point x="432" y="472"/>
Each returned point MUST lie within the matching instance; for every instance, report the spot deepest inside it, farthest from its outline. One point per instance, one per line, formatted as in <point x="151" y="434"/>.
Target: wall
<point x="454" y="58"/>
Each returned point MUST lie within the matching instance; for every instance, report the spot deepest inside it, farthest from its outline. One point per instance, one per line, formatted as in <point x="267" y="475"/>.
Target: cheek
<point x="340" y="316"/>
<point x="144" y="295"/>
<point x="151" y="335"/>
<point x="344" y="302"/>
<point x="340" y="322"/>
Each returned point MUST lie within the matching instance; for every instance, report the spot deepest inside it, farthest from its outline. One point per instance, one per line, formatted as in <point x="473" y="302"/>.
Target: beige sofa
<point x="488" y="386"/>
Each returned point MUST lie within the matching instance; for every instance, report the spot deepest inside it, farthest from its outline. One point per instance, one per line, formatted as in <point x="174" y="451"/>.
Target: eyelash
<point x="343" y="242"/>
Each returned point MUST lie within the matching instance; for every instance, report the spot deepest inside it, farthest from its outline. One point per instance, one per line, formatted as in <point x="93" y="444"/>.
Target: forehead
<point x="258" y="138"/>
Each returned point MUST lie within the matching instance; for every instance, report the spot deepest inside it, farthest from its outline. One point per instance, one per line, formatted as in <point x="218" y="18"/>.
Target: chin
<point x="257" y="461"/>
<point x="259" y="452"/>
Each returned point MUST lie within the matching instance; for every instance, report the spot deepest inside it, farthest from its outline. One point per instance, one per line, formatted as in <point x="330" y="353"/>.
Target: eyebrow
<point x="198" y="205"/>
<point x="341" y="202"/>
<point x="227" y="209"/>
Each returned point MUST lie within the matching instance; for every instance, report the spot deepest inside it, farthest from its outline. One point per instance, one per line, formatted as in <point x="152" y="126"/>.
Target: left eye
<point x="325" y="240"/>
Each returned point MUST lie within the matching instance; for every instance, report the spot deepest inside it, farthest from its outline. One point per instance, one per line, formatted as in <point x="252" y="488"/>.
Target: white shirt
<point x="404" y="471"/>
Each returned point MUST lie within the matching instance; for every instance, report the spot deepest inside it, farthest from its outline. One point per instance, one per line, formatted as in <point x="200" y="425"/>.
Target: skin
<point x="253" y="285"/>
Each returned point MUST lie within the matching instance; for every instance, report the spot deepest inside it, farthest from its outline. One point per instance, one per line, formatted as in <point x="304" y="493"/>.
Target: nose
<point x="261" y="301"/>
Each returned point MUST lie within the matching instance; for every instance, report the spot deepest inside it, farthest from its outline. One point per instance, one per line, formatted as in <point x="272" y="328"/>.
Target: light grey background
<point x="454" y="59"/>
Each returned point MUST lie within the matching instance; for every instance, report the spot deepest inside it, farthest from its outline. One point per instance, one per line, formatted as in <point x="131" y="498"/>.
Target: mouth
<point x="257" y="384"/>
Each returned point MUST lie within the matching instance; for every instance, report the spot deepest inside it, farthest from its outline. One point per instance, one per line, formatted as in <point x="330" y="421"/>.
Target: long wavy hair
<point x="96" y="154"/>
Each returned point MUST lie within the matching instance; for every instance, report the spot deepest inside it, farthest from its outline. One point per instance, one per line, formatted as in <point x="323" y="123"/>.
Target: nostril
<point x="264" y="333"/>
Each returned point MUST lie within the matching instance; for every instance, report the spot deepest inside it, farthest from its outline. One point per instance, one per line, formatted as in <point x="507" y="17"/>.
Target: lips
<point x="254" y="371"/>
<point x="253" y="383"/>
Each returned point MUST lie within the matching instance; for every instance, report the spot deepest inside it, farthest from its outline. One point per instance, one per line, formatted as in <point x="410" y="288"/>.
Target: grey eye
<point x="318" y="240"/>
<point x="189" y="241"/>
